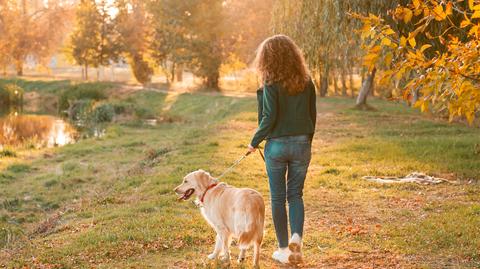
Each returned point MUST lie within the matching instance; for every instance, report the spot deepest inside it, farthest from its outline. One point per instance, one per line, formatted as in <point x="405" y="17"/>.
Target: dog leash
<point x="229" y="169"/>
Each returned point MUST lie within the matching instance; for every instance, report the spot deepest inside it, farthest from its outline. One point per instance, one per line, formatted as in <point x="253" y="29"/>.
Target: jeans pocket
<point x="302" y="152"/>
<point x="274" y="150"/>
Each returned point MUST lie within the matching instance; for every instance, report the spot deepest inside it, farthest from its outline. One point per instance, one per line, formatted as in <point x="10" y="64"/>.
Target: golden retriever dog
<point x="232" y="212"/>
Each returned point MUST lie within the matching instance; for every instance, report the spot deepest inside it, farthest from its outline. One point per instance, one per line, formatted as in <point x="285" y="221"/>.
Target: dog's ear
<point x="204" y="178"/>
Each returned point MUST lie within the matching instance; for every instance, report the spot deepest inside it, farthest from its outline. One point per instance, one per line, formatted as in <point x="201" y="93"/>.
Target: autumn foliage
<point x="430" y="48"/>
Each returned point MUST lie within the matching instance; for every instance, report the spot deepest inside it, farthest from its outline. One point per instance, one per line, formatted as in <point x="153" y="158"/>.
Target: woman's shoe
<point x="295" y="247"/>
<point x="282" y="255"/>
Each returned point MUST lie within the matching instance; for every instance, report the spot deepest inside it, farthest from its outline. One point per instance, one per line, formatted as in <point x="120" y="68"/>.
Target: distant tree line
<point x="170" y="34"/>
<point x="149" y="35"/>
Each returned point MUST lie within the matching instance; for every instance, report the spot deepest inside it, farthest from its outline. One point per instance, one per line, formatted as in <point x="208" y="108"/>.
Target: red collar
<point x="209" y="188"/>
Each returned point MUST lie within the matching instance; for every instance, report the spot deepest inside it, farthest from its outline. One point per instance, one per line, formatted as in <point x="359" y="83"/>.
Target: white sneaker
<point x="295" y="247"/>
<point x="282" y="255"/>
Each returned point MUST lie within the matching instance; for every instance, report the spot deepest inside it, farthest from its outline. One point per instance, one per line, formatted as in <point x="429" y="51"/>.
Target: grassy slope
<point x="118" y="210"/>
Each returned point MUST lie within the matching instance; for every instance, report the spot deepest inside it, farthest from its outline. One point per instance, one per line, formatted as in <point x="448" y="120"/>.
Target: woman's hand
<point x="251" y="149"/>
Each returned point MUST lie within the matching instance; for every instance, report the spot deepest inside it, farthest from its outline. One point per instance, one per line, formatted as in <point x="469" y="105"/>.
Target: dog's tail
<point x="254" y="230"/>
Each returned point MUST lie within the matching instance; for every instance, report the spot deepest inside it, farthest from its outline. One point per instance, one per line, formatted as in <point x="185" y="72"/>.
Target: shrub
<point x="7" y="153"/>
<point x="80" y="110"/>
<point x="87" y="91"/>
<point x="11" y="94"/>
<point x="103" y="113"/>
<point x="144" y="113"/>
<point x="18" y="168"/>
<point x="123" y="108"/>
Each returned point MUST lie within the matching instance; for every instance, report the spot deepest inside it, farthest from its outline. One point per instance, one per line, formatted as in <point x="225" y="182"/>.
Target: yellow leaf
<point x="449" y="9"/>
<point x="403" y="42"/>
<point x="477" y="7"/>
<point x="424" y="107"/>
<point x="476" y="14"/>
<point x="465" y="23"/>
<point x="408" y="15"/>
<point x="416" y="3"/>
<point x="412" y="42"/>
<point x="389" y="31"/>
<point x="388" y="59"/>
<point x="439" y="13"/>
<point x="386" y="41"/>
<point x="470" y="4"/>
<point x="425" y="47"/>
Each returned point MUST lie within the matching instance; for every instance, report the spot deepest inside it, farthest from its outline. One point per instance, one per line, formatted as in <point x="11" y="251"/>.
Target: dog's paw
<point x="212" y="256"/>
<point x="225" y="259"/>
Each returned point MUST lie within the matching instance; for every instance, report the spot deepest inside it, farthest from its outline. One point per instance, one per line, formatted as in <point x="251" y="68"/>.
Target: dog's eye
<point x="186" y="181"/>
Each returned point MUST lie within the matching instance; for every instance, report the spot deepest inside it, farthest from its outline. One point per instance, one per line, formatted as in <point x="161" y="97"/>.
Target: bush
<point x="87" y="91"/>
<point x="103" y="113"/>
<point x="144" y="113"/>
<point x="80" y="111"/>
<point x="11" y="94"/>
<point x="7" y="153"/>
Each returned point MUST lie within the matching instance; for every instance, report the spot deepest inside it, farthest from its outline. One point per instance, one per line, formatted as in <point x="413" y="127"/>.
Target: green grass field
<point x="108" y="202"/>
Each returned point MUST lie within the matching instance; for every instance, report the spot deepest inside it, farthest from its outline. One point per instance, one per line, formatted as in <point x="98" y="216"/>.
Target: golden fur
<point x="280" y="60"/>
<point x="233" y="213"/>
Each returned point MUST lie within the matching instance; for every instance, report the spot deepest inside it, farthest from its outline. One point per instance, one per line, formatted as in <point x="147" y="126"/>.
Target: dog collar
<point x="209" y="188"/>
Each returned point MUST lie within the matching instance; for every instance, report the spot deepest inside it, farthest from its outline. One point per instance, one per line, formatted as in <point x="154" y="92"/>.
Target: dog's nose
<point x="176" y="190"/>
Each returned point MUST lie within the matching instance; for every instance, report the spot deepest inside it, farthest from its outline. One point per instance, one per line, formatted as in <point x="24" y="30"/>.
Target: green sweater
<point x="280" y="114"/>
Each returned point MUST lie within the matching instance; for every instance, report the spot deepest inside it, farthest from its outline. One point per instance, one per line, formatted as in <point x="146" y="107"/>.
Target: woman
<point x="287" y="116"/>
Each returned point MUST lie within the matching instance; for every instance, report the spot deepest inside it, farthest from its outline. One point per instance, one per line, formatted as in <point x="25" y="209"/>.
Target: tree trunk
<point x="179" y="72"/>
<point x="86" y="71"/>
<point x="19" y="67"/>
<point x="367" y="86"/>
<point x="415" y="96"/>
<point x="324" y="82"/>
<point x="335" y="83"/>
<point x="172" y="72"/>
<point x="212" y="81"/>
<point x="350" y="78"/>
<point x="344" y="82"/>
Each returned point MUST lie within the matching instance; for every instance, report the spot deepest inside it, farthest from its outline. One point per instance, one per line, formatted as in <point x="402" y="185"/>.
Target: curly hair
<point x="280" y="60"/>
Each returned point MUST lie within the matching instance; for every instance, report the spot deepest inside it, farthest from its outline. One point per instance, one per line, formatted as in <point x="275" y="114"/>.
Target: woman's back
<point x="286" y="114"/>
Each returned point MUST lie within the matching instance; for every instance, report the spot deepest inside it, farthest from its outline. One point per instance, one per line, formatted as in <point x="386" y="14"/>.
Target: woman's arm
<point x="269" y="116"/>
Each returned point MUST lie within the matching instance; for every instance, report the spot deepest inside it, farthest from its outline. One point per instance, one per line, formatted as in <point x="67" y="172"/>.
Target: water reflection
<point x="35" y="130"/>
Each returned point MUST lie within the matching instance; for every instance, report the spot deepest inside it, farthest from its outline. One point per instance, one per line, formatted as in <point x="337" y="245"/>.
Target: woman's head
<point x="279" y="60"/>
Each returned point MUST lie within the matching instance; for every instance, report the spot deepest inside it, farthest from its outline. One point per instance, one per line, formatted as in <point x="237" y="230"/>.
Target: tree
<point x="173" y="33"/>
<point x="208" y="49"/>
<point x="246" y="26"/>
<point x="324" y="31"/>
<point x="133" y="28"/>
<point x="27" y="31"/>
<point x="92" y="42"/>
<point x="434" y="46"/>
<point x="190" y="32"/>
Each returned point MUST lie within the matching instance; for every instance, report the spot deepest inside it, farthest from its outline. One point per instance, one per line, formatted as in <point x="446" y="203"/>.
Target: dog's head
<point x="194" y="183"/>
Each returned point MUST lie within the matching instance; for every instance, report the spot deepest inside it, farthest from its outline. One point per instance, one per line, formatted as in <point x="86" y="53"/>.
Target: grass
<point x="108" y="202"/>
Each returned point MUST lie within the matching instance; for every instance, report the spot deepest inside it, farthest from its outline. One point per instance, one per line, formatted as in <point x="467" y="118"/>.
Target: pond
<point x="35" y="131"/>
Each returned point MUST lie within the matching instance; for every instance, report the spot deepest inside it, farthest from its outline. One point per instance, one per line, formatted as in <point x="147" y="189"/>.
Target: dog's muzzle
<point x="186" y="195"/>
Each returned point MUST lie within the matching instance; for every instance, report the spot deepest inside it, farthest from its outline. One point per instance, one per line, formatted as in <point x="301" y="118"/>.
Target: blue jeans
<point x="287" y="160"/>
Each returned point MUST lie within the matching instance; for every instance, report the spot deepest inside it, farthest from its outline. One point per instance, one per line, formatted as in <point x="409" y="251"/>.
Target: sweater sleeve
<point x="313" y="104"/>
<point x="269" y="115"/>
